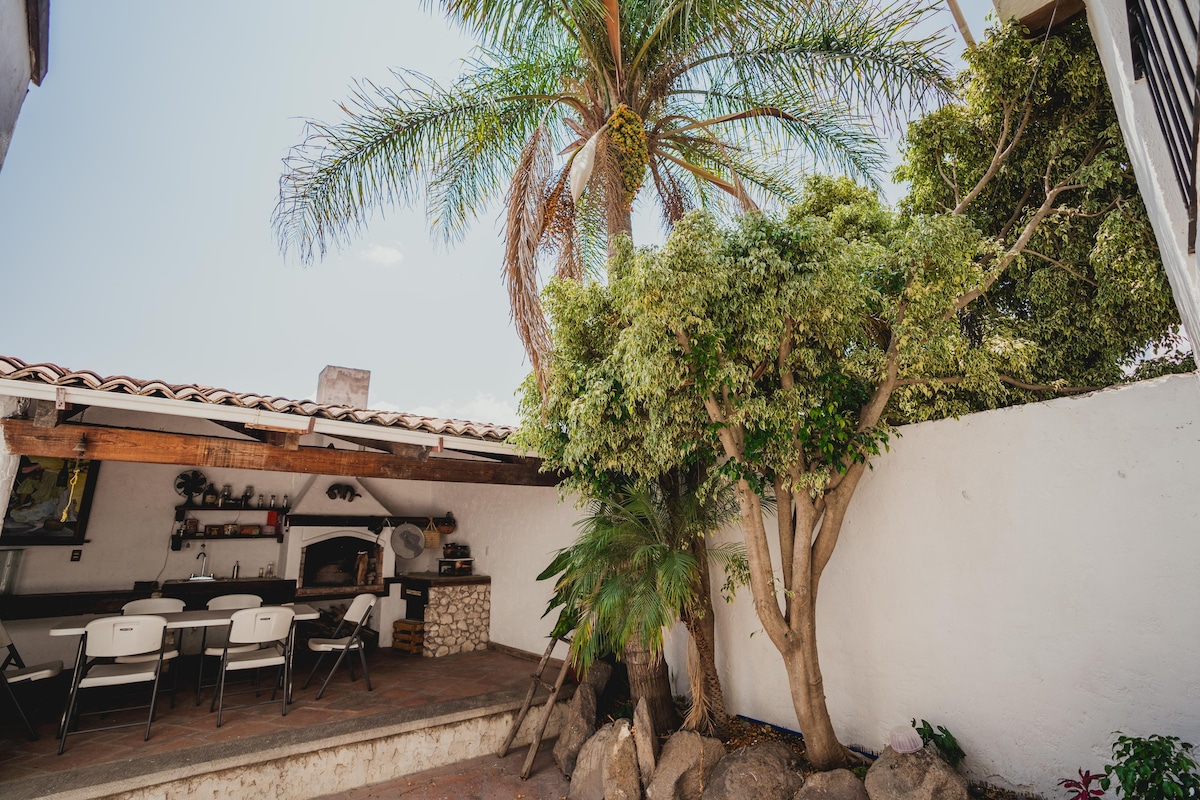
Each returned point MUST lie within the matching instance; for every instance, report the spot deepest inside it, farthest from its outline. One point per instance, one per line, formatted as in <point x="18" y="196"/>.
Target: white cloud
<point x="484" y="407"/>
<point x="383" y="255"/>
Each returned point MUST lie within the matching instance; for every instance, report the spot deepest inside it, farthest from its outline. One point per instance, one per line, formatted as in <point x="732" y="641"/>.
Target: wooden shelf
<point x="228" y="507"/>
<point x="276" y="536"/>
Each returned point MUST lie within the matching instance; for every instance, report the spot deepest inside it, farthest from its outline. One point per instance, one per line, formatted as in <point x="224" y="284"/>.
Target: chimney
<point x="342" y="386"/>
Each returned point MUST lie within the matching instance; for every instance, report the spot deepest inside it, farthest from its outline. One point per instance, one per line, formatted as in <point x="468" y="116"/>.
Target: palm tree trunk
<point x="648" y="678"/>
<point x="703" y="628"/>
<point x="702" y="631"/>
<point x="619" y="221"/>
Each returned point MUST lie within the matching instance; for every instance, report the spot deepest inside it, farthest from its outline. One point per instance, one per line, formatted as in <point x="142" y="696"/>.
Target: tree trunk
<point x="702" y="632"/>
<point x="648" y="678"/>
<point x="620" y="220"/>
<point x="702" y="625"/>
<point x="794" y="634"/>
<point x="807" y="687"/>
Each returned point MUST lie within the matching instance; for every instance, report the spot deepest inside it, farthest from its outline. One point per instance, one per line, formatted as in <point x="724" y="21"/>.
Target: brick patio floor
<point x="187" y="734"/>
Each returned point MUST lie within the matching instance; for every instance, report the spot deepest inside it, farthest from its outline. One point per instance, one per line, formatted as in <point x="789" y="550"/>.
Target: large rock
<point x="622" y="779"/>
<point x="607" y="766"/>
<point x="587" y="781"/>
<point x="838" y="784"/>
<point x="647" y="741"/>
<point x="768" y="771"/>
<point x="577" y="727"/>
<point x="922" y="775"/>
<point x="684" y="767"/>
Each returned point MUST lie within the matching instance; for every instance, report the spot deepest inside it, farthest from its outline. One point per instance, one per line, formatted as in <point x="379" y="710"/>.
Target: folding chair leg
<point x="21" y="712"/>
<point x="200" y="671"/>
<point x="219" y="697"/>
<point x="153" y="699"/>
<point x="284" y="678"/>
<point x="332" y="672"/>
<point x="320" y="658"/>
<point x="65" y="725"/>
<point x="362" y="657"/>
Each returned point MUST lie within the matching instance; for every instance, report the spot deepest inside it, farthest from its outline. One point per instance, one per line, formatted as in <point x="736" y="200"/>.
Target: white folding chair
<point x="22" y="674"/>
<point x="223" y="602"/>
<point x="358" y="615"/>
<point x="158" y="605"/>
<point x="105" y="640"/>
<point x="270" y="626"/>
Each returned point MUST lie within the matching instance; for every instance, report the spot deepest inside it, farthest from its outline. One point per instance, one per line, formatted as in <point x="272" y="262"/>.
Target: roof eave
<point x="251" y="417"/>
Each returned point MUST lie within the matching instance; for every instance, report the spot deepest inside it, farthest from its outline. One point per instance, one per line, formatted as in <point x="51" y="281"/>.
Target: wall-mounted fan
<point x="408" y="541"/>
<point x="190" y="484"/>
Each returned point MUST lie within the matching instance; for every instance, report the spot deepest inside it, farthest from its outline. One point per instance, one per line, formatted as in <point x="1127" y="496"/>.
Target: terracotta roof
<point x="15" y="369"/>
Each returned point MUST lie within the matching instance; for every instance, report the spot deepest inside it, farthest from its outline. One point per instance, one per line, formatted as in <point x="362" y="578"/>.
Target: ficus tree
<point x="787" y="347"/>
<point x="582" y="423"/>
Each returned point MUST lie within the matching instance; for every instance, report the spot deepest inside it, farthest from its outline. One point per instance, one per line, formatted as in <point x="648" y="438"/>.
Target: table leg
<point x="62" y="726"/>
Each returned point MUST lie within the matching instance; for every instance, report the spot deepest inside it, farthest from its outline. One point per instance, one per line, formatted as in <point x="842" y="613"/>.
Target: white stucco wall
<point x="1109" y="24"/>
<point x="14" y="67"/>
<point x="514" y="532"/>
<point x="1026" y="577"/>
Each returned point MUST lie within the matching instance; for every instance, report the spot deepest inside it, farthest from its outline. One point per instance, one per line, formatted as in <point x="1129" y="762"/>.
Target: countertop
<point x="434" y="579"/>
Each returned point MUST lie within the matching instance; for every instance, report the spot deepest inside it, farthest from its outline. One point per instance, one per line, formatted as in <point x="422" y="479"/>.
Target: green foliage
<point x="947" y="746"/>
<point x="1152" y="768"/>
<point x="635" y="568"/>
<point x="1087" y="297"/>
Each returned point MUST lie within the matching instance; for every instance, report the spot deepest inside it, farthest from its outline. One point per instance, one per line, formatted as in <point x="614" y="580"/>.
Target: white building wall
<point x="1147" y="150"/>
<point x="14" y="67"/>
<point x="1026" y="577"/>
<point x="514" y="532"/>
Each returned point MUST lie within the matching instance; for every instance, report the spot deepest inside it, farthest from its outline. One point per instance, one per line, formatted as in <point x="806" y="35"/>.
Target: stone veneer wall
<point x="457" y="619"/>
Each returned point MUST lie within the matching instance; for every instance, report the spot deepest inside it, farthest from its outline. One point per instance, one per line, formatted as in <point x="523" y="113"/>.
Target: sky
<point x="136" y="200"/>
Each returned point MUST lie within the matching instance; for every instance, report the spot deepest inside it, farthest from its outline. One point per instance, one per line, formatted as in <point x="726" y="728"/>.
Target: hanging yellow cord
<point x="70" y="491"/>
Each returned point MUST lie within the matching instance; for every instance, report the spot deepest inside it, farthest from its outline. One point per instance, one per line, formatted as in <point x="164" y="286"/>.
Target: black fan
<point x="191" y="483"/>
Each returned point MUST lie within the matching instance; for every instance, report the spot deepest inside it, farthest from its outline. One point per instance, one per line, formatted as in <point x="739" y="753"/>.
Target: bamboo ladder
<point x="535" y="680"/>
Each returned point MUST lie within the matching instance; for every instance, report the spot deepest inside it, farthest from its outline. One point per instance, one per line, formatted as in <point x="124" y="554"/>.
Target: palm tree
<point x="571" y="103"/>
<point x="639" y="565"/>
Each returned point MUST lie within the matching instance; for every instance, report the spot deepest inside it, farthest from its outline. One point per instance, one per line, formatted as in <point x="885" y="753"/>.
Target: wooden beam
<point x="155" y="447"/>
<point x="46" y="414"/>
<point x="416" y="451"/>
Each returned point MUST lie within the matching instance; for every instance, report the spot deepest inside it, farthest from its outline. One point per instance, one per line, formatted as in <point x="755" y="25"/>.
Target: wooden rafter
<point x="156" y="447"/>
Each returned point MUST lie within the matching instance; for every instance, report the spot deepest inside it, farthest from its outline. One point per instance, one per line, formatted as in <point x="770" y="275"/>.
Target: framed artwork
<point x="50" y="501"/>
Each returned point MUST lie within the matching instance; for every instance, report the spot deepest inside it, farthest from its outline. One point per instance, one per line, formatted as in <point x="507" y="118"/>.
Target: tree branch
<point x="1001" y="154"/>
<point x="1061" y="266"/>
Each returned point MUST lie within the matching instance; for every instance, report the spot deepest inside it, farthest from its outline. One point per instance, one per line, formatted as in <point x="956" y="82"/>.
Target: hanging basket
<point x="432" y="538"/>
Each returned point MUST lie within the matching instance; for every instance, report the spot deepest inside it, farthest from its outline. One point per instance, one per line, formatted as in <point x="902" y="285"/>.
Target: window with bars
<point x="1163" y="38"/>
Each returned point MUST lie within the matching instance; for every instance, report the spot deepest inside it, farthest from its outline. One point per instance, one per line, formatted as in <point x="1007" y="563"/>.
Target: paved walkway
<point x="485" y="778"/>
<point x="187" y="734"/>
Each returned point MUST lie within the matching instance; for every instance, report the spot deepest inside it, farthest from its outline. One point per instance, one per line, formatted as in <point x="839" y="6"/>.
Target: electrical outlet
<point x="76" y="555"/>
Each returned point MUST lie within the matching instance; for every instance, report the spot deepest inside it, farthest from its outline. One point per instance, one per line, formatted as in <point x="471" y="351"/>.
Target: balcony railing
<point x="1163" y="36"/>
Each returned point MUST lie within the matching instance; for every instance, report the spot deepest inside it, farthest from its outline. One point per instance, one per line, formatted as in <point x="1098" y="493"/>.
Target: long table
<point x="176" y="620"/>
<point x="182" y="620"/>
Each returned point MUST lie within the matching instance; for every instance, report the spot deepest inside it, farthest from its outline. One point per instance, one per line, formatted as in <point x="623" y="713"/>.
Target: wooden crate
<point x="408" y="636"/>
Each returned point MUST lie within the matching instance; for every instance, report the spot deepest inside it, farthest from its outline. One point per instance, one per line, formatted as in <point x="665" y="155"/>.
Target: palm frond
<point x="524" y="225"/>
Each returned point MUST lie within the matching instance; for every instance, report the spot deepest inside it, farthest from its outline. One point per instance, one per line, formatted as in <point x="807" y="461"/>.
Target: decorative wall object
<point x="50" y="501"/>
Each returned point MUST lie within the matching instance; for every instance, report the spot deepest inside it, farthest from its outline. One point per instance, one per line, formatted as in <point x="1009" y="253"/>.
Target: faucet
<point x="204" y="563"/>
